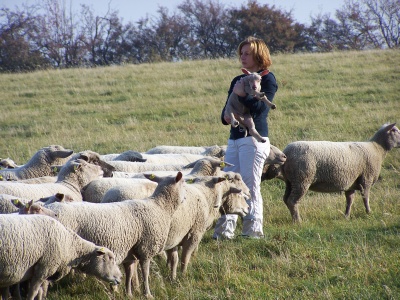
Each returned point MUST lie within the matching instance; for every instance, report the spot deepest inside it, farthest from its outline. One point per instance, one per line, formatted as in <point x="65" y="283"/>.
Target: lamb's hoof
<point x="235" y="124"/>
<point x="273" y="106"/>
<point x="263" y="141"/>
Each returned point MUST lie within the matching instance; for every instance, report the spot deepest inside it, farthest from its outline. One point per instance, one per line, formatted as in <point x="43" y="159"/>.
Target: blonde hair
<point x="259" y="51"/>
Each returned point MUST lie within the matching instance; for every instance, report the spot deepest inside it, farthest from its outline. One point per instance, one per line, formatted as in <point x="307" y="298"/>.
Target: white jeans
<point x="248" y="157"/>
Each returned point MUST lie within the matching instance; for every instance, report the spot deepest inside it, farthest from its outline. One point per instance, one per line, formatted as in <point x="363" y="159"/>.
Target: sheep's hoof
<point x="235" y="124"/>
<point x="273" y="106"/>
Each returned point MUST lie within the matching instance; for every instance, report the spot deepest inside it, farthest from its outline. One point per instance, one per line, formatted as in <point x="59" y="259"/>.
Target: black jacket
<point x="258" y="109"/>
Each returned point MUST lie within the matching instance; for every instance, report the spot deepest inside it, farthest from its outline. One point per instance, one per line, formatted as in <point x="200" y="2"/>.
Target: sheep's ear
<point x="178" y="176"/>
<point x="101" y="251"/>
<point x="17" y="203"/>
<point x="389" y="127"/>
<point x="235" y="190"/>
<point x="59" y="197"/>
<point x="245" y="71"/>
<point x="265" y="72"/>
<point x="219" y="179"/>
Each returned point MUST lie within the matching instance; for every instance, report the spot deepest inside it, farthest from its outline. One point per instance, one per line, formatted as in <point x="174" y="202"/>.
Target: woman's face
<point x="247" y="60"/>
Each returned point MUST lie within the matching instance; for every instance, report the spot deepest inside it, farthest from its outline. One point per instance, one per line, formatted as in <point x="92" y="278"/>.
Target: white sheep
<point x="140" y="167"/>
<point x="32" y="208"/>
<point x="95" y="191"/>
<point x="7" y="163"/>
<point x="133" y="229"/>
<point x="207" y="166"/>
<point x="216" y="151"/>
<point x="330" y="167"/>
<point x="128" y="155"/>
<point x="207" y="197"/>
<point x="73" y="176"/>
<point x="39" y="165"/>
<point x="275" y="159"/>
<point x="237" y="113"/>
<point x="36" y="247"/>
<point x="95" y="159"/>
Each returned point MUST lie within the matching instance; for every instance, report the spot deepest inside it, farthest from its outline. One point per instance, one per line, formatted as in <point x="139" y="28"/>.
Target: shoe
<point x="222" y="237"/>
<point x="256" y="237"/>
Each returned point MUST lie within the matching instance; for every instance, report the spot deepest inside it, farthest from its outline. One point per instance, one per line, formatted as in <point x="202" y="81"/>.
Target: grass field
<point x="340" y="96"/>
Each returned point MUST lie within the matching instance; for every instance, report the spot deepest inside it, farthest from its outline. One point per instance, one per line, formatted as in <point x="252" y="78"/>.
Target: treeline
<point x="50" y="34"/>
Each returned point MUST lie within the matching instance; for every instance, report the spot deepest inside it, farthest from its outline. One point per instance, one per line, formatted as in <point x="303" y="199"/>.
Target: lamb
<point x="96" y="190"/>
<point x="215" y="150"/>
<point x="73" y="176"/>
<point x="39" y="165"/>
<point x="133" y="229"/>
<point x="39" y="248"/>
<point x="237" y="113"/>
<point x="330" y="167"/>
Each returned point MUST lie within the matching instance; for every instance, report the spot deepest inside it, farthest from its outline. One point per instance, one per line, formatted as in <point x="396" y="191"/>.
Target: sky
<point x="134" y="10"/>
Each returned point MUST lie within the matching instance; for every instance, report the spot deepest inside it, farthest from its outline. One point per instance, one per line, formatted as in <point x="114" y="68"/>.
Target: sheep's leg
<point x="16" y="291"/>
<point x="5" y="291"/>
<point x="349" y="201"/>
<point x="365" y="196"/>
<point x="293" y="197"/>
<point x="145" y="266"/>
<point x="35" y="289"/>
<point x="188" y="247"/>
<point x="131" y="276"/>
<point x="172" y="261"/>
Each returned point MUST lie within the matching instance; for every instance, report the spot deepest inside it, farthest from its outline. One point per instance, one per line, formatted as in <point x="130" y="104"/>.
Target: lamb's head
<point x="253" y="79"/>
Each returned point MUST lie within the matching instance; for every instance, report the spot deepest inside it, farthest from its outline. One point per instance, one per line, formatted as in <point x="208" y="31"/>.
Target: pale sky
<point x="134" y="10"/>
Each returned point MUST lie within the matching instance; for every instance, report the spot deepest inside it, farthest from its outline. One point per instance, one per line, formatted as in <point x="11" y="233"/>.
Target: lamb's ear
<point x="265" y="72"/>
<point x="17" y="203"/>
<point x="245" y="71"/>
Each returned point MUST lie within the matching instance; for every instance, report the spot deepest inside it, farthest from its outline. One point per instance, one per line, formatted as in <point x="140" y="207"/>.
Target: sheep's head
<point x="254" y="79"/>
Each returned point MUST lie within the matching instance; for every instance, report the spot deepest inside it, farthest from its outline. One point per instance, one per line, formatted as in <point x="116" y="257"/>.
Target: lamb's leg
<point x="349" y="201"/>
<point x="248" y="121"/>
<point x="263" y="98"/>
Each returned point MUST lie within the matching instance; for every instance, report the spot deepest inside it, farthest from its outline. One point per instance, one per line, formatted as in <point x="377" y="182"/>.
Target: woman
<point x="243" y="151"/>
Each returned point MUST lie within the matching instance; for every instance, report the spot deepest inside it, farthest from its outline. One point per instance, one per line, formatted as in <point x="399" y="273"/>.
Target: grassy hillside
<point x="343" y="96"/>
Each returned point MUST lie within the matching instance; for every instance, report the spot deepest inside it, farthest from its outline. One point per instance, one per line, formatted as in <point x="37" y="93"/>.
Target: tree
<point x="275" y="27"/>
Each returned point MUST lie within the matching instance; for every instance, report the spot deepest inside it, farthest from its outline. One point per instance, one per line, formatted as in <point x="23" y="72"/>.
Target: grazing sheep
<point x="140" y="167"/>
<point x="95" y="159"/>
<point x="73" y="176"/>
<point x="133" y="229"/>
<point x="237" y="113"/>
<point x="39" y="248"/>
<point x="206" y="166"/>
<point x="32" y="208"/>
<point x="207" y="196"/>
<point x="7" y="163"/>
<point x="275" y="159"/>
<point x="216" y="151"/>
<point x="39" y="165"/>
<point x="95" y="191"/>
<point x="330" y="167"/>
<point x="129" y="155"/>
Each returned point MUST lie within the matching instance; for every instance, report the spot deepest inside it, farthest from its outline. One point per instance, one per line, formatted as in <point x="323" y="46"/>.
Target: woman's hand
<point x="238" y="89"/>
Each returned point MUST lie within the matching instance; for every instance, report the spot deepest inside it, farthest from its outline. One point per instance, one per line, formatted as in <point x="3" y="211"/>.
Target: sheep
<point x="73" y="176"/>
<point x="7" y="163"/>
<point x="40" y="164"/>
<point x="32" y="208"/>
<point x="95" y="191"/>
<point x="216" y="151"/>
<point x="137" y="167"/>
<point x="207" y="197"/>
<point x="206" y="166"/>
<point x="237" y="113"/>
<point x="95" y="159"/>
<point x="275" y="159"/>
<point x="133" y="229"/>
<point x="39" y="248"/>
<point x="330" y="167"/>
<point x="129" y="155"/>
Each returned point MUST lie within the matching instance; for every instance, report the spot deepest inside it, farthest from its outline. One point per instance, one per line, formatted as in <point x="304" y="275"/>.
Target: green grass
<point x="341" y="96"/>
